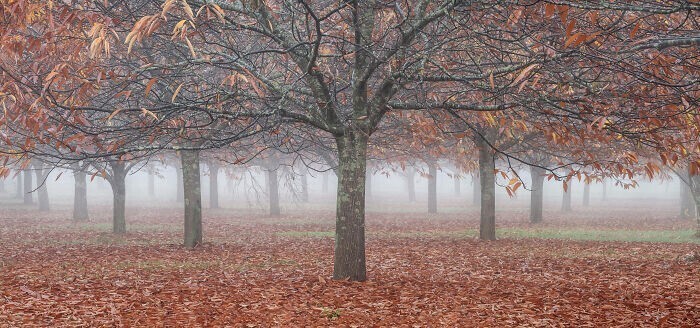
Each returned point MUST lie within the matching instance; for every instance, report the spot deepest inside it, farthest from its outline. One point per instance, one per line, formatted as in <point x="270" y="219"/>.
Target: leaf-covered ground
<point x="424" y="271"/>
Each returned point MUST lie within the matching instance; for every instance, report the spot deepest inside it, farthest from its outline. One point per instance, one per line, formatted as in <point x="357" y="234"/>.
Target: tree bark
<point x="213" y="185"/>
<point x="566" y="199"/>
<point x="42" y="192"/>
<point x="28" y="196"/>
<point x="192" y="197"/>
<point x="179" y="192"/>
<point x="432" y="187"/>
<point x="537" y="194"/>
<point x="273" y="191"/>
<point x="476" y="189"/>
<point x="487" y="179"/>
<point x="411" y="181"/>
<point x="118" y="183"/>
<point x="694" y="184"/>
<point x="80" y="207"/>
<point x="586" y="194"/>
<point x="350" y="211"/>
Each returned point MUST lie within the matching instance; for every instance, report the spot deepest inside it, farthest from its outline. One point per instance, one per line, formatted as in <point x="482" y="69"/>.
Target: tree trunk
<point x="80" y="207"/>
<point x="213" y="185"/>
<point x="28" y="196"/>
<point x="537" y="194"/>
<point x="18" y="187"/>
<point x="2" y="185"/>
<point x="273" y="190"/>
<point x="694" y="182"/>
<point x="476" y="189"/>
<point x="192" y="197"/>
<point x="179" y="192"/>
<point x="411" y="181"/>
<point x="566" y="199"/>
<point x="118" y="184"/>
<point x="151" y="183"/>
<point x="586" y="194"/>
<point x="304" y="186"/>
<point x="350" y="211"/>
<point x="42" y="192"/>
<point x="432" y="188"/>
<point x="687" y="202"/>
<point x="487" y="179"/>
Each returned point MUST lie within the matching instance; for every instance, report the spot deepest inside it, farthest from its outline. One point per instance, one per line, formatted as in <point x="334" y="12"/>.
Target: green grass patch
<point x="656" y="236"/>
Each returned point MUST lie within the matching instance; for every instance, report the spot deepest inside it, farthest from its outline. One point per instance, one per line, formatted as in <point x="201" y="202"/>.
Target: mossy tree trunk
<point x="432" y="187"/>
<point x="350" y="211"/>
<point x="80" y="206"/>
<point x="192" y="194"/>
<point x="118" y="183"/>
<point x="487" y="179"/>
<point x="537" y="194"/>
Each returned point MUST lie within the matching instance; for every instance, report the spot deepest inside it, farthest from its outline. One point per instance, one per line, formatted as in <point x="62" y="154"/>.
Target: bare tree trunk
<point x="350" y="211"/>
<point x="28" y="196"/>
<point x="432" y="187"/>
<point x="688" y="210"/>
<point x="213" y="185"/>
<point x="586" y="194"/>
<point x="304" y="185"/>
<point x="179" y="192"/>
<point x="411" y="181"/>
<point x="566" y="199"/>
<point x="118" y="184"/>
<point x="273" y="191"/>
<point x="476" y="189"/>
<point x="42" y="192"/>
<point x="2" y="185"/>
<point x="80" y="207"/>
<point x="192" y="197"/>
<point x="18" y="187"/>
<point x="487" y="167"/>
<point x="694" y="183"/>
<point x="537" y="194"/>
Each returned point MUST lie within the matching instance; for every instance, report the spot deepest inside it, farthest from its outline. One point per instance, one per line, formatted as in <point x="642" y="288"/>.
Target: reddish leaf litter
<point x="265" y="272"/>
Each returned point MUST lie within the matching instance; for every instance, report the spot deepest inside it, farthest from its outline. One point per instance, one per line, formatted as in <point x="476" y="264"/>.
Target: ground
<point x="601" y="268"/>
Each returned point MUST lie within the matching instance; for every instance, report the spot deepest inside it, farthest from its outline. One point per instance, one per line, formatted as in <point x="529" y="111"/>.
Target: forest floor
<point x="627" y="269"/>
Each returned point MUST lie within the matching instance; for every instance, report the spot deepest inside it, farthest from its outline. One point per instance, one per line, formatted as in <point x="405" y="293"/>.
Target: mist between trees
<point x="266" y="98"/>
